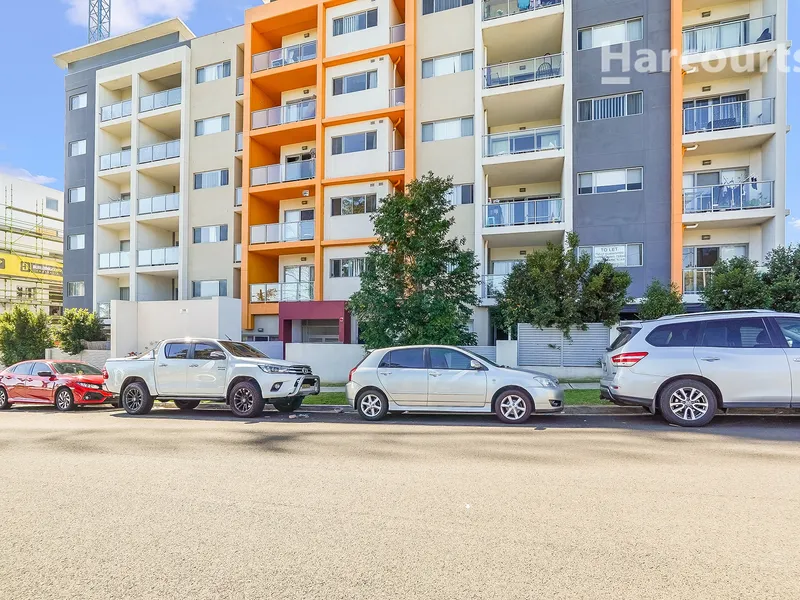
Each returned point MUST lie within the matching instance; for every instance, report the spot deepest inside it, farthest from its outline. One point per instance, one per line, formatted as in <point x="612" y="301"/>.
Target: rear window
<point x="674" y="335"/>
<point x="625" y="335"/>
<point x="408" y="358"/>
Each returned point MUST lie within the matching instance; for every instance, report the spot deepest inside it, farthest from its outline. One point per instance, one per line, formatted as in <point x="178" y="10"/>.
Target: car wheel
<point x="187" y="404"/>
<point x="65" y="401"/>
<point x="245" y="400"/>
<point x="513" y="406"/>
<point x="4" y="403"/>
<point x="688" y="403"/>
<point x="288" y="407"/>
<point x="136" y="399"/>
<point x="372" y="405"/>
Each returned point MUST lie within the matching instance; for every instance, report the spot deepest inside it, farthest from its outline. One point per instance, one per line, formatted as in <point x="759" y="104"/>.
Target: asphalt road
<point x="98" y="504"/>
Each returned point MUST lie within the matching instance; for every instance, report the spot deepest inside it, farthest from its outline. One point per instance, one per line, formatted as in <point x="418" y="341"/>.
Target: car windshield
<point x="76" y="368"/>
<point x="242" y="350"/>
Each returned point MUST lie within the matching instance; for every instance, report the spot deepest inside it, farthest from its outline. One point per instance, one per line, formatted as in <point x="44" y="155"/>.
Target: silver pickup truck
<point x="187" y="371"/>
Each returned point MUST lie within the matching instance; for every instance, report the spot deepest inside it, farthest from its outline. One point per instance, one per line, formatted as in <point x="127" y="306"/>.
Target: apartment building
<point x="151" y="166"/>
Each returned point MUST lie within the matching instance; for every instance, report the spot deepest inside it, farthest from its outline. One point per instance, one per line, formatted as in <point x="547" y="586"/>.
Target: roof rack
<point x="718" y="312"/>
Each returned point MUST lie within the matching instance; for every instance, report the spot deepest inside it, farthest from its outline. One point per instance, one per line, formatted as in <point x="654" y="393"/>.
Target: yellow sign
<point x="43" y="269"/>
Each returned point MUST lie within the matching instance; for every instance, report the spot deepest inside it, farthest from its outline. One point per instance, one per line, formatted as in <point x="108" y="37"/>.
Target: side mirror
<point x="44" y="374"/>
<point x="217" y="355"/>
<point x="475" y="365"/>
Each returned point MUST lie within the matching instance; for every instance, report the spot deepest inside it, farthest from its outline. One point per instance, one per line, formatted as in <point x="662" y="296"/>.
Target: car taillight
<point x="627" y="359"/>
<point x="105" y="373"/>
<point x="350" y="376"/>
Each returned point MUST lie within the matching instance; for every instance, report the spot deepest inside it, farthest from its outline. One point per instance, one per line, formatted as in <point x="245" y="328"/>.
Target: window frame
<point x="345" y="78"/>
<point x="70" y="285"/>
<point x="461" y="3"/>
<point x="366" y="134"/>
<point x="430" y="359"/>
<point x="76" y="236"/>
<point x="204" y="69"/>
<point x="224" y="174"/>
<point x="75" y="189"/>
<point x="594" y="99"/>
<point x="84" y="96"/>
<point x="697" y="325"/>
<point x="627" y="171"/>
<point x="356" y="264"/>
<point x="390" y="365"/>
<point x="625" y="22"/>
<point x="222" y="234"/>
<point x="366" y="14"/>
<point x="170" y="344"/>
<point x="764" y="322"/>
<point x="452" y="56"/>
<point x="225" y="124"/>
<point x="369" y="199"/>
<point x="72" y="143"/>
<point x="456" y="194"/>
<point x="222" y="288"/>
<point x="214" y="348"/>
<point x="582" y="249"/>
<point x="433" y="124"/>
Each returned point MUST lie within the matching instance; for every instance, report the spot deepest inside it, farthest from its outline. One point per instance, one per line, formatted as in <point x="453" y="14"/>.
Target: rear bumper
<point x="607" y="394"/>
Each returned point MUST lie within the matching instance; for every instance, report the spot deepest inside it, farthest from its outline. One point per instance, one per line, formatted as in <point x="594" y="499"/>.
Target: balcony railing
<point x="240" y="86"/>
<point x="114" y="260"/>
<point x="695" y="280"/>
<point x="397" y="33"/>
<point x="397" y="160"/>
<point x="157" y="257"/>
<point x="104" y="310"/>
<point x="282" y="292"/>
<point x="280" y="57"/>
<point x="161" y="151"/>
<point x="729" y="35"/>
<point x="523" y="71"/>
<point x="160" y="100"/>
<point x="115" y="160"/>
<point x="116" y="110"/>
<point x="274" y="233"/>
<point x="492" y="284"/>
<point x="237" y="197"/>
<point x="237" y="253"/>
<point x="520" y="142"/>
<point x="280" y="115"/>
<point x="495" y="9"/>
<point x="731" y="115"/>
<point x="721" y="198"/>
<point x="397" y="96"/>
<point x="159" y="204"/>
<point x="239" y="141"/>
<point x="296" y="171"/>
<point x="114" y="210"/>
<point x="524" y="212"/>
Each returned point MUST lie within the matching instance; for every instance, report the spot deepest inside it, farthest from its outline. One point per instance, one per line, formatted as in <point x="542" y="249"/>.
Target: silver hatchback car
<point x="689" y="367"/>
<point x="448" y="379"/>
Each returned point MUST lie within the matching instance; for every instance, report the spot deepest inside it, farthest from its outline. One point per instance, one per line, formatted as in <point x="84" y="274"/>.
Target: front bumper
<point x="548" y="400"/>
<point x="305" y="386"/>
<point x="84" y="395"/>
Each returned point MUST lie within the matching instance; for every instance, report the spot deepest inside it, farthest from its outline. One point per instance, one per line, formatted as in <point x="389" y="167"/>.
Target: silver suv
<point x="690" y="366"/>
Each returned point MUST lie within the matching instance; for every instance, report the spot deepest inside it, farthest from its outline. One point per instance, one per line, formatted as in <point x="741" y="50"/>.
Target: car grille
<point x="300" y="370"/>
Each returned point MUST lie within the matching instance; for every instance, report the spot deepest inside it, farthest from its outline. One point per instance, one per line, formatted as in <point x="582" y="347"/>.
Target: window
<point x="610" y="107"/>
<point x="212" y="125"/>
<point x="209" y="288"/>
<point x="77" y="148"/>
<point x="675" y="335"/>
<point x="212" y="72"/>
<point x="610" y="33"/>
<point x="450" y="360"/>
<point x="177" y="350"/>
<point x="355" y="142"/>
<point x="736" y="333"/>
<point x="461" y="194"/>
<point x="354" y="205"/>
<point x="41" y="367"/>
<point x="77" y="101"/>
<point x="447" y="130"/>
<point x="617" y="255"/>
<point x="358" y="82"/>
<point x="23" y="369"/>
<point x="210" y="234"/>
<point x="76" y="289"/>
<point x="708" y="256"/>
<point x="790" y="328"/>
<point x="210" y="179"/>
<point x="51" y="203"/>
<point x="432" y="6"/>
<point x="347" y="267"/>
<point x="606" y="182"/>
<point x="356" y="22"/>
<point x="76" y="242"/>
<point x="125" y="293"/>
<point x="447" y="64"/>
<point x="320" y="331"/>
<point x="407" y="358"/>
<point x="203" y="351"/>
<point x="77" y="194"/>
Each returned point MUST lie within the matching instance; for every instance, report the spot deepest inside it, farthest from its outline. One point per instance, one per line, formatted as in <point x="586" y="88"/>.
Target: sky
<point x="32" y="87"/>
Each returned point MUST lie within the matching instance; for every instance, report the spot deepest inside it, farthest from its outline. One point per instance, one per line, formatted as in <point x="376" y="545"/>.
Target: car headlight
<point x="545" y="382"/>
<point x="273" y="369"/>
<point x="92" y="386"/>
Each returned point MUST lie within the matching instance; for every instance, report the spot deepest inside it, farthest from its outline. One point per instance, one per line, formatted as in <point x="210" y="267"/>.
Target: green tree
<point x="661" y="300"/>
<point x="24" y="335"/>
<point x="735" y="284"/>
<point x="603" y="294"/>
<point x="419" y="283"/>
<point x="782" y="278"/>
<point x="78" y="325"/>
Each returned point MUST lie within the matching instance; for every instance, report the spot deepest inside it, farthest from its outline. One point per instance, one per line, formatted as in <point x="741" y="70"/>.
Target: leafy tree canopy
<point x="77" y="326"/>
<point x="661" y="300"/>
<point x="24" y="335"/>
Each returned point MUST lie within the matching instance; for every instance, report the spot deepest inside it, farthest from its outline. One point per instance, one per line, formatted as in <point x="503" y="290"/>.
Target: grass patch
<point x="571" y="397"/>
<point x="326" y="398"/>
<point x="580" y="380"/>
<point x="332" y="384"/>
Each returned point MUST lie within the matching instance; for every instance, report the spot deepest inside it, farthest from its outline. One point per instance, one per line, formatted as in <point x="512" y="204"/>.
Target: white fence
<point x="332" y="362"/>
<point x="550" y="348"/>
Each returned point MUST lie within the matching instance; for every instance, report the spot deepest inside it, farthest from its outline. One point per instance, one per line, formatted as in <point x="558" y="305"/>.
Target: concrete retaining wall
<point x="332" y="362"/>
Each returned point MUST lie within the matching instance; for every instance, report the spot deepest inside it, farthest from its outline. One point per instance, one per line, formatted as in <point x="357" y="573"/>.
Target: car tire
<point x="4" y="403"/>
<point x="288" y="407"/>
<point x="136" y="399"/>
<point x="245" y="400"/>
<point x="65" y="401"/>
<point x="187" y="404"/>
<point x="688" y="403"/>
<point x="513" y="407"/>
<point x="372" y="405"/>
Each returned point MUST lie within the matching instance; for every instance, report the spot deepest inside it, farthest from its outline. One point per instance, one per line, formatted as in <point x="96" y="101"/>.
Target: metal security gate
<point x="550" y="348"/>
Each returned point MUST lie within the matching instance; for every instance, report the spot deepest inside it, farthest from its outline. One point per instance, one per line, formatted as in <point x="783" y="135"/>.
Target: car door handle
<point x="434" y="374"/>
<point x="385" y="374"/>
<point x="710" y="358"/>
<point x="193" y="366"/>
<point x="162" y="365"/>
<point x="797" y="360"/>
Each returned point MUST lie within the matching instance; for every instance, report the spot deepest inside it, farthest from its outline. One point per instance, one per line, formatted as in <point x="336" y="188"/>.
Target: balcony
<point x="239" y="144"/>
<point x="159" y="204"/>
<point x="161" y="151"/>
<point x="237" y="197"/>
<point x="522" y="142"/>
<point x="281" y="115"/>
<point x="237" y="254"/>
<point x="523" y="71"/>
<point x="275" y="233"/>
<point x="115" y="160"/>
<point x="729" y="127"/>
<point x="397" y="33"/>
<point x="736" y="205"/>
<point x="114" y="260"/>
<point x="282" y="292"/>
<point x="282" y="173"/>
<point x="239" y="86"/>
<point x="696" y="279"/>
<point x="397" y="97"/>
<point x="157" y="257"/>
<point x="160" y="100"/>
<point x="117" y="110"/>
<point x="524" y="212"/>
<point x="729" y="35"/>
<point x="114" y="210"/>
<point x="281" y="57"/>
<point x="491" y="285"/>
<point x="397" y="160"/>
<point x="497" y="9"/>
<point x="524" y="157"/>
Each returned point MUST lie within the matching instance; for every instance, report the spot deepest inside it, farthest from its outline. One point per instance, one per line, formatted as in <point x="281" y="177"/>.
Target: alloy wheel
<point x="688" y="403"/>
<point x="63" y="400"/>
<point x="513" y="407"/>
<point x="134" y="398"/>
<point x="243" y="400"/>
<point x="371" y="405"/>
<point x="3" y="398"/>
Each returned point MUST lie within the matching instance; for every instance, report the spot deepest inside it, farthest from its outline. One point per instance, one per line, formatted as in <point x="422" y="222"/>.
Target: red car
<point x="62" y="383"/>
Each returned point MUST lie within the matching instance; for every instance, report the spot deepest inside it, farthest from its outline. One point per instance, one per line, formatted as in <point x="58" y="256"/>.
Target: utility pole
<point x="99" y="20"/>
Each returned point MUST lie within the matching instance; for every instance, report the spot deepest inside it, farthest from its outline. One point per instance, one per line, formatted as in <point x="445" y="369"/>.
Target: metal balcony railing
<point x="237" y="253"/>
<point x="723" y="198"/>
<point x="524" y="212"/>
<point x="296" y="171"/>
<point x="523" y="71"/>
<point x="159" y="204"/>
<point x="729" y="35"/>
<point x="731" y="115"/>
<point x="240" y="86"/>
<point x="397" y="33"/>
<point x="282" y="292"/>
<point x="274" y="233"/>
<point x="519" y="142"/>
<point x="397" y="96"/>
<point x="496" y="9"/>
<point x="239" y="141"/>
<point x="280" y="115"/>
<point x="115" y="160"/>
<point x="114" y="260"/>
<point x="279" y="57"/>
<point x="116" y="110"/>
<point x="397" y="160"/>
<point x="160" y="100"/>
<point x="114" y="210"/>
<point x="161" y="151"/>
<point x="237" y="197"/>
<point x="695" y="280"/>
<point x="493" y="284"/>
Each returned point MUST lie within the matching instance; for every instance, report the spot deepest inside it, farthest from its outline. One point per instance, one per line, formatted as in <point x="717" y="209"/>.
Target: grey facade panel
<point x="636" y="141"/>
